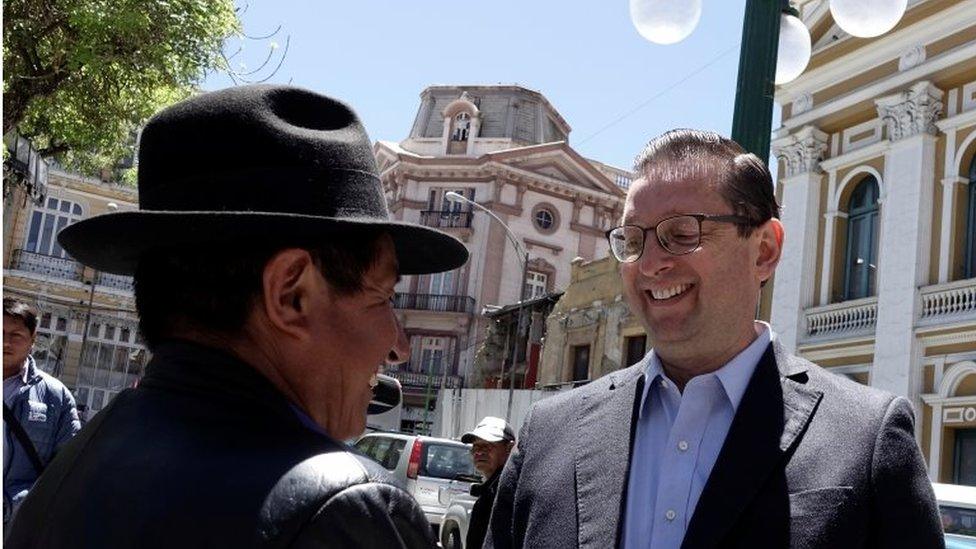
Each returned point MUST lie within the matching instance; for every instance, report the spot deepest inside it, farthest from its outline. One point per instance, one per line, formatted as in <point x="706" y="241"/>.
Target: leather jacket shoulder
<point x="340" y="499"/>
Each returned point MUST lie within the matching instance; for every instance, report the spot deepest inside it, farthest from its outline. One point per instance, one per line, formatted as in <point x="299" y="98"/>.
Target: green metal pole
<point x="753" y="117"/>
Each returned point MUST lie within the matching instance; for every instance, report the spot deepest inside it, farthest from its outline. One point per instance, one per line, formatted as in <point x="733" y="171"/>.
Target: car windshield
<point x="446" y="461"/>
<point x="958" y="520"/>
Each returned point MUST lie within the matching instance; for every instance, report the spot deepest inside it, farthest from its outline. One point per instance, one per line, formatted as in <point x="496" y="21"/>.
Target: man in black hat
<point x="264" y="264"/>
<point x="491" y="442"/>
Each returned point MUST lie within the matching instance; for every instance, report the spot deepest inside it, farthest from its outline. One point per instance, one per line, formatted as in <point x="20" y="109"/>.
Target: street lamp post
<point x="752" y="119"/>
<point x="524" y="257"/>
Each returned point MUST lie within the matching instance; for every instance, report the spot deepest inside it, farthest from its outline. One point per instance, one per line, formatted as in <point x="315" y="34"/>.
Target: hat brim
<point x="114" y="242"/>
<point x="469" y="438"/>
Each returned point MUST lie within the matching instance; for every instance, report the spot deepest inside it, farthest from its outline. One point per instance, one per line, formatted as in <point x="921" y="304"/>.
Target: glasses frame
<point x="699" y="217"/>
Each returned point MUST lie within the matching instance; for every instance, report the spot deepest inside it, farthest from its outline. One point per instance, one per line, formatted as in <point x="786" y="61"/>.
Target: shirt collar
<point x="25" y="372"/>
<point x="734" y="375"/>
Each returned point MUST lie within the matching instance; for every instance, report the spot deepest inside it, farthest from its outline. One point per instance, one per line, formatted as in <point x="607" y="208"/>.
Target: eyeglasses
<point x="678" y="235"/>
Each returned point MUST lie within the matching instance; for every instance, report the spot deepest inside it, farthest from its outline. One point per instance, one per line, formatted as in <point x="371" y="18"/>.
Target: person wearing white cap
<point x="491" y="442"/>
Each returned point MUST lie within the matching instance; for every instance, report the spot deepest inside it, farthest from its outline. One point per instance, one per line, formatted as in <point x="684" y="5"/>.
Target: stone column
<point x="906" y="232"/>
<point x="795" y="276"/>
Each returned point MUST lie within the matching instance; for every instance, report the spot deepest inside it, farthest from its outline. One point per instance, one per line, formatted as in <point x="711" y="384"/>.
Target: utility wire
<point x="684" y="79"/>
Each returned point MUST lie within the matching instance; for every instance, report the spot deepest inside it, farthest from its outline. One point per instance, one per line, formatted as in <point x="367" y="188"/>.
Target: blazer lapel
<point x="773" y="413"/>
<point x="605" y="427"/>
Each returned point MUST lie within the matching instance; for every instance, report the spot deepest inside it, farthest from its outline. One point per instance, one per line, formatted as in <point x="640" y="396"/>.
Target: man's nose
<point x="655" y="260"/>
<point x="401" y="349"/>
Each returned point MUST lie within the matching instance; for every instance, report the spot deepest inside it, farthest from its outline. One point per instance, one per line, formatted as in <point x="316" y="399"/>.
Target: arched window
<point x="861" y="271"/>
<point x="45" y="223"/>
<point x="462" y="125"/>
<point x="971" y="222"/>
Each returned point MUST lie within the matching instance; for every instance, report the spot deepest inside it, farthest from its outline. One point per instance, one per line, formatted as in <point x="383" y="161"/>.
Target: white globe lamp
<point x="665" y="21"/>
<point x="794" y="48"/>
<point x="867" y="18"/>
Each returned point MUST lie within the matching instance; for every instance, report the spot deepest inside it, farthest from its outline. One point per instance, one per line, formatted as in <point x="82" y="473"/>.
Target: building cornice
<point x="857" y="156"/>
<point x="960" y="120"/>
<point x="931" y="29"/>
<point x="531" y="243"/>
<point x="892" y="84"/>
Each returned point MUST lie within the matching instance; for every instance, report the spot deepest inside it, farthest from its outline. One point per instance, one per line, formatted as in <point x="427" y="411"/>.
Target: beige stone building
<point x="875" y="176"/>
<point x="507" y="148"/>
<point x="87" y="334"/>
<point x="591" y="331"/>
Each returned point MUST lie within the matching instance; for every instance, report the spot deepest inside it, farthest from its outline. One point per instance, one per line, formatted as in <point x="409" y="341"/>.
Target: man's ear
<point x="771" y="238"/>
<point x="290" y="278"/>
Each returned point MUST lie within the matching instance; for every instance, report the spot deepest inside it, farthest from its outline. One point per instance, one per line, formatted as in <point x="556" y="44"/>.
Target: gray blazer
<point x="811" y="460"/>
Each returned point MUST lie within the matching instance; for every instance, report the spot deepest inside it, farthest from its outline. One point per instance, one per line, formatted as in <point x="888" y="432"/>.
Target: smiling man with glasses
<point x="719" y="437"/>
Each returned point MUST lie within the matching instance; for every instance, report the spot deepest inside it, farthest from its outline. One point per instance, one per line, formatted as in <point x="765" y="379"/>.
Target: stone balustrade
<point x="855" y="317"/>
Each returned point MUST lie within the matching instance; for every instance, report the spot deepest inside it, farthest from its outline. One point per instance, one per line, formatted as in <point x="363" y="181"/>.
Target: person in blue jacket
<point x="35" y="404"/>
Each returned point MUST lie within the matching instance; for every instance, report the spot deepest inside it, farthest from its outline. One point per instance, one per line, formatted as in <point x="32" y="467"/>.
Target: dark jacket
<point x="206" y="453"/>
<point x="481" y="512"/>
<point x="811" y="460"/>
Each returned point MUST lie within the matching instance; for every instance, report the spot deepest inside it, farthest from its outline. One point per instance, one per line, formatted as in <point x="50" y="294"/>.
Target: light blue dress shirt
<point x="677" y="440"/>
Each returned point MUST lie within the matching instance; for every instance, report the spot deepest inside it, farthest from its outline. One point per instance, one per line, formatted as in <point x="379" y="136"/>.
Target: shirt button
<point x="670" y="514"/>
<point x="683" y="445"/>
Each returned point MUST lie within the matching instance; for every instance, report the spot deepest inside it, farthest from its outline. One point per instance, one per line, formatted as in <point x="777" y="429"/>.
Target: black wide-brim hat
<point x="249" y="164"/>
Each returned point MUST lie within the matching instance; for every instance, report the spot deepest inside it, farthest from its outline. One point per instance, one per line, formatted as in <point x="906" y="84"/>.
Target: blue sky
<point x="615" y="89"/>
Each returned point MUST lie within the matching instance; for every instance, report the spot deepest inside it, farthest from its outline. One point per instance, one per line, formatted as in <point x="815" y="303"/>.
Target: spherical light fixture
<point x="665" y="21"/>
<point x="794" y="48"/>
<point x="867" y="18"/>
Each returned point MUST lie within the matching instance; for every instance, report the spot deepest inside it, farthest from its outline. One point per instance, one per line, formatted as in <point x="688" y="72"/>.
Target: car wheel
<point x="453" y="540"/>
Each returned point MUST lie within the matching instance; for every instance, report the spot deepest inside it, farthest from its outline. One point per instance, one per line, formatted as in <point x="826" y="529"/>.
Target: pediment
<point x="560" y="164"/>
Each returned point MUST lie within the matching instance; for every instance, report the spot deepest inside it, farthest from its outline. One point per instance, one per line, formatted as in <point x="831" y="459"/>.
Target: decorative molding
<point x="853" y="347"/>
<point x="957" y="121"/>
<point x="530" y="243"/>
<point x="857" y="156"/>
<point x="911" y="112"/>
<point x="948" y="182"/>
<point x="802" y="104"/>
<point x="962" y="54"/>
<point x="501" y="207"/>
<point x="586" y="229"/>
<point x="802" y="151"/>
<point x="954" y="376"/>
<point x="407" y="203"/>
<point x="912" y="57"/>
<point x="946" y="22"/>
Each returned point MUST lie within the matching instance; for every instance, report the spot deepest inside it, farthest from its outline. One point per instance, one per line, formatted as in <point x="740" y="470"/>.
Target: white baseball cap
<point x="491" y="429"/>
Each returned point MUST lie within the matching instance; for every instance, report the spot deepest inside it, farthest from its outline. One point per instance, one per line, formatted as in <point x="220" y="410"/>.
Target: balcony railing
<point x="854" y="317"/>
<point x="417" y="379"/>
<point x="119" y="282"/>
<point x="434" y="302"/>
<point x="948" y="301"/>
<point x="446" y="219"/>
<point x="48" y="265"/>
<point x="26" y="165"/>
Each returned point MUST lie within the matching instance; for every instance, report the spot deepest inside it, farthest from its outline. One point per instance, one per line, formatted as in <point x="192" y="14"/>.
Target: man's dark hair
<point x="21" y="310"/>
<point x="741" y="178"/>
<point x="211" y="291"/>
